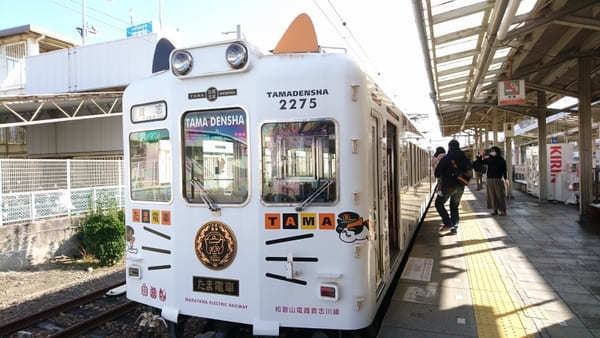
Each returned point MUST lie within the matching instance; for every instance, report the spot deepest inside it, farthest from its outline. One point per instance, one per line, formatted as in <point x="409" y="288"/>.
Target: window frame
<point x="336" y="127"/>
<point x="182" y="159"/>
<point x="170" y="201"/>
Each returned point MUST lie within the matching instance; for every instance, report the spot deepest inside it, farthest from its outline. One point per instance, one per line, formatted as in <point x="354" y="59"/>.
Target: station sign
<point x="141" y="29"/>
<point x="511" y="92"/>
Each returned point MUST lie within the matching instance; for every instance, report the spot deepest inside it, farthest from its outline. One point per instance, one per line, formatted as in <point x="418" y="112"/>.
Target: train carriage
<point x="275" y="190"/>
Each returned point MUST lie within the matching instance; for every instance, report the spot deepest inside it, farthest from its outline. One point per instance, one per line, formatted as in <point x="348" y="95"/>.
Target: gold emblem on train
<point x="215" y="245"/>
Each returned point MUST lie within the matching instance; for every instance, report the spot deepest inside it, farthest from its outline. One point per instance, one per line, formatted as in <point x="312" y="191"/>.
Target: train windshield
<point x="150" y="161"/>
<point x="215" y="156"/>
<point x="298" y="159"/>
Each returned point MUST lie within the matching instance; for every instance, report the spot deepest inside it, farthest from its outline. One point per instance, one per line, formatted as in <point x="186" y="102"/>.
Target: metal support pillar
<point x="542" y="149"/>
<point x="487" y="138"/>
<point x="517" y="151"/>
<point x="475" y="145"/>
<point x="585" y="136"/>
<point x="495" y="128"/>
<point x="509" y="155"/>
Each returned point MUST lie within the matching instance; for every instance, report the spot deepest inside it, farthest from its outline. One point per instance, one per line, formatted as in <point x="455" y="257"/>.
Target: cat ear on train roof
<point x="300" y="37"/>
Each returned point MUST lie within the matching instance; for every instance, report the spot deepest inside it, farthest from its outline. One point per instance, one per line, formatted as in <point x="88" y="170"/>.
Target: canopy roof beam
<point x="462" y="11"/>
<point x="459" y="34"/>
<point x="41" y="109"/>
<point x="453" y="81"/>
<point x="579" y="22"/>
<point x="570" y="8"/>
<point x="550" y="89"/>
<point x="488" y="51"/>
<point x="536" y="67"/>
<point x="522" y="109"/>
<point x="456" y="56"/>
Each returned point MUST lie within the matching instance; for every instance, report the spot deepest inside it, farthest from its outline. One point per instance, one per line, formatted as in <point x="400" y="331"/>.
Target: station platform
<point x="532" y="273"/>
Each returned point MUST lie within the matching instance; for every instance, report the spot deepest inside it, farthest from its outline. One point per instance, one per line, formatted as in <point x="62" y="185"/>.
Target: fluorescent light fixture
<point x="564" y="102"/>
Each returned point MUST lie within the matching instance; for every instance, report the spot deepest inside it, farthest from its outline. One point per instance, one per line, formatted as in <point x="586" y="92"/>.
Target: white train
<point x="275" y="190"/>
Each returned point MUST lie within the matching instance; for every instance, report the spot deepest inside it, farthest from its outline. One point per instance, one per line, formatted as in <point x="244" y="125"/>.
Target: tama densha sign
<point x="511" y="92"/>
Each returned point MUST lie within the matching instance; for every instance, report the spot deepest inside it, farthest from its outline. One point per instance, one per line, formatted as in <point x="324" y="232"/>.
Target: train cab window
<point x="150" y="161"/>
<point x="215" y="156"/>
<point x="299" y="162"/>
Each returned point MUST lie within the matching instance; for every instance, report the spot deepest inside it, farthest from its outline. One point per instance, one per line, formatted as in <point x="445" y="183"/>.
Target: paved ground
<point x="535" y="272"/>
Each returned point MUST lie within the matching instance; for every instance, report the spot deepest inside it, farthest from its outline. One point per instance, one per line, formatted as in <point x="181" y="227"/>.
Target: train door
<point x="392" y="189"/>
<point x="375" y="166"/>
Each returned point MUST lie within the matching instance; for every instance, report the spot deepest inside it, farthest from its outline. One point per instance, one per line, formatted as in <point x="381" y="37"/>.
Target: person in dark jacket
<point x="496" y="176"/>
<point x="478" y="168"/>
<point x="450" y="166"/>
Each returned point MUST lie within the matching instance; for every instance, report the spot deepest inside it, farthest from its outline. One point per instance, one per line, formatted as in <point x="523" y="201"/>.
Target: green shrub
<point x="102" y="234"/>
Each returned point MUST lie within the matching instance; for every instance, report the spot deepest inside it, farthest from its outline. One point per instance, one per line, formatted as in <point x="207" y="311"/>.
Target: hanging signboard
<point x="141" y="29"/>
<point x="511" y="92"/>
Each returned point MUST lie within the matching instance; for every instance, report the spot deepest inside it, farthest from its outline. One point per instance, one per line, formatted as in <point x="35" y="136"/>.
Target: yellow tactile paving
<point x="497" y="313"/>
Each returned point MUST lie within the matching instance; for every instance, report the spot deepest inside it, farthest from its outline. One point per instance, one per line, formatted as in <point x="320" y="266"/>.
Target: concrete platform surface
<point x="532" y="273"/>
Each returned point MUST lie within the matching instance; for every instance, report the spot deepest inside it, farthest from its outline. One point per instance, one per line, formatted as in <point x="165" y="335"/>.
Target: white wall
<point x="103" y="65"/>
<point x="82" y="136"/>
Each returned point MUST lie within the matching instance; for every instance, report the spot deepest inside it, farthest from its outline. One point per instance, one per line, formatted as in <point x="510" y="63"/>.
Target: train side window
<point x="298" y="158"/>
<point x="150" y="165"/>
<point x="215" y="151"/>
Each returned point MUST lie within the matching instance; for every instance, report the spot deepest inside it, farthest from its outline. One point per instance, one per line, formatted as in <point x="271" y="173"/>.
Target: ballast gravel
<point x="44" y="286"/>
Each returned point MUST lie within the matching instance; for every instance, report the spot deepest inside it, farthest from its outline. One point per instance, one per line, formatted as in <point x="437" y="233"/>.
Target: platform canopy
<point x="471" y="45"/>
<point x="26" y="110"/>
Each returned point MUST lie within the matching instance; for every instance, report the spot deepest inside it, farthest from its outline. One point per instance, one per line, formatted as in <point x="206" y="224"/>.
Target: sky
<point x="380" y="34"/>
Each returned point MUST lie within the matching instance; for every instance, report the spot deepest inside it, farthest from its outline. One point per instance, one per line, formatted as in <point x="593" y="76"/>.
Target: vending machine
<point x="560" y="158"/>
<point x="533" y="171"/>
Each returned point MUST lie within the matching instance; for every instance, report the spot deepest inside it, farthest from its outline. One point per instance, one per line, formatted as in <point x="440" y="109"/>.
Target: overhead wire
<point x="344" y="23"/>
<point x="103" y="13"/>
<point x="366" y="55"/>
<point x="337" y="30"/>
<point x="61" y="4"/>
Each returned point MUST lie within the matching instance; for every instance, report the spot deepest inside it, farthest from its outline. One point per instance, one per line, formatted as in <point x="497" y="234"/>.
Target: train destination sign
<point x="228" y="287"/>
<point x="229" y="123"/>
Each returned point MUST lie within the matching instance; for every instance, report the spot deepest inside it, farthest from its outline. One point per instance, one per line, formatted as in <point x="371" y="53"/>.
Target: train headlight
<point x="181" y="62"/>
<point x="236" y="55"/>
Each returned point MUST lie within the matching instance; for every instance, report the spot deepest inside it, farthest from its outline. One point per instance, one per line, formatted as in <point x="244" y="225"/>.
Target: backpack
<point x="478" y="166"/>
<point x="462" y="175"/>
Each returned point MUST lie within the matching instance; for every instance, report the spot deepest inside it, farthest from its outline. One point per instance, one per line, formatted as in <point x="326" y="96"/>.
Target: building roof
<point x="50" y="40"/>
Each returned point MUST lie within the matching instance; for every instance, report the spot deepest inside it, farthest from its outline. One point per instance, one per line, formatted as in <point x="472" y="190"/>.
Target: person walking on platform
<point x="496" y="176"/>
<point x="455" y="171"/>
<point x="440" y="152"/>
<point x="478" y="168"/>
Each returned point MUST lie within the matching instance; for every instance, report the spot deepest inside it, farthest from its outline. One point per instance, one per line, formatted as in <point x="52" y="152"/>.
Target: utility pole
<point x="160" y="14"/>
<point x="83" y="24"/>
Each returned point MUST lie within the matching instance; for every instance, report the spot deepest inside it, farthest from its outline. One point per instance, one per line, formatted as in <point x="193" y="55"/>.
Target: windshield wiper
<point x="204" y="195"/>
<point x="314" y="195"/>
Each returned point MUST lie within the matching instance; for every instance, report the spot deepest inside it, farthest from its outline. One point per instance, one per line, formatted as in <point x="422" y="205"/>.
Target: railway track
<point x="81" y="326"/>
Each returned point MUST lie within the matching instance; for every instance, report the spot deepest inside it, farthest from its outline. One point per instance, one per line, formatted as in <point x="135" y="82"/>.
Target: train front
<point x="235" y="208"/>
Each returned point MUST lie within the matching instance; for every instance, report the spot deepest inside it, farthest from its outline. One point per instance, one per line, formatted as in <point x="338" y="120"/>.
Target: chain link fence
<point x="34" y="189"/>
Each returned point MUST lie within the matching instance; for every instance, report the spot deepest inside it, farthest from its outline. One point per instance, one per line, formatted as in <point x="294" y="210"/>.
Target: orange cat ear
<point x="300" y="37"/>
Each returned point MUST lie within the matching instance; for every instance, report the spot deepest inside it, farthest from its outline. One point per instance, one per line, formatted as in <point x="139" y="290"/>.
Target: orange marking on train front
<point x="359" y="222"/>
<point x="272" y="221"/>
<point x="326" y="221"/>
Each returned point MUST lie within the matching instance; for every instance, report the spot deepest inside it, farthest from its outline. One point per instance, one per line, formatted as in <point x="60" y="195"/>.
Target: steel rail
<point x="39" y="316"/>
<point x="87" y="325"/>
